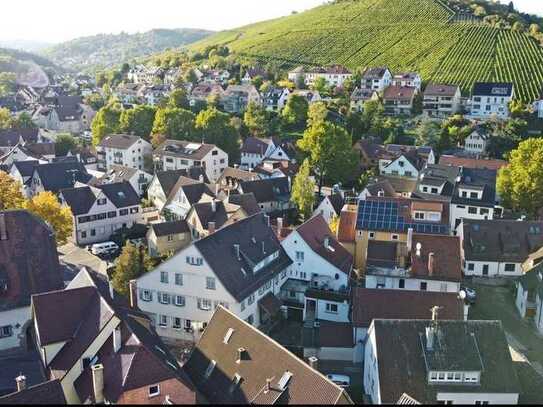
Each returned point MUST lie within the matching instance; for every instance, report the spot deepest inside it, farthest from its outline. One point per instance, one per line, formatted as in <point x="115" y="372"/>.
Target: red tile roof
<point x="347" y="227"/>
<point x="314" y="232"/>
<point x="474" y="163"/>
<point x="370" y="304"/>
<point x="448" y="260"/>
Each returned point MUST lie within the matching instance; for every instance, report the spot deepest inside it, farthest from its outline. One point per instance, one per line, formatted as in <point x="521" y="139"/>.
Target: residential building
<point x="399" y="100"/>
<point x="477" y="142"/>
<point x="491" y="100"/>
<point x="182" y="155"/>
<point x="184" y="195"/>
<point x="527" y="297"/>
<point x="330" y="207"/>
<point x="234" y="363"/>
<point x="57" y="176"/>
<point x="471" y="192"/>
<point x="441" y="101"/>
<point x="255" y="150"/>
<point x="28" y="265"/>
<point x="206" y="218"/>
<point x="475" y="163"/>
<point x="272" y="194"/>
<point x="321" y="272"/>
<point x="89" y="337"/>
<point x="138" y="179"/>
<point x="21" y="171"/>
<point x="9" y="138"/>
<point x="360" y="96"/>
<point x="231" y="178"/>
<point x="123" y="149"/>
<point x="498" y="248"/>
<point x="312" y="96"/>
<point x="98" y="212"/>
<point x="372" y="304"/>
<point x="423" y="263"/>
<point x="47" y="393"/>
<point x="275" y="99"/>
<point x="334" y="75"/>
<point x="253" y="73"/>
<point x="408" y="164"/>
<point x="202" y="92"/>
<point x="377" y="79"/>
<point x="168" y="238"/>
<point x="538" y="107"/>
<point x="235" y="267"/>
<point x="407" y="79"/>
<point x="163" y="183"/>
<point x="450" y="362"/>
<point x="236" y="98"/>
<point x="389" y="220"/>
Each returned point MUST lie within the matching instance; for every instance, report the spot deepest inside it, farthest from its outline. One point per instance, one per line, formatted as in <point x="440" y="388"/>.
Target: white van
<point x="103" y="248"/>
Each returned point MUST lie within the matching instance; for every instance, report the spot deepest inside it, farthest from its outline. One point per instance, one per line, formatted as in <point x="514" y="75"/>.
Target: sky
<point x="61" y="20"/>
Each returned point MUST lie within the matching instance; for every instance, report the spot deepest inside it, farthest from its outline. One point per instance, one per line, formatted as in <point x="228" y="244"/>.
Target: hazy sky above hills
<point x="61" y="20"/>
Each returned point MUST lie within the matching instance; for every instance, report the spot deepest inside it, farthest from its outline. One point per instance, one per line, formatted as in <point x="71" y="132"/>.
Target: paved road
<point x="75" y="256"/>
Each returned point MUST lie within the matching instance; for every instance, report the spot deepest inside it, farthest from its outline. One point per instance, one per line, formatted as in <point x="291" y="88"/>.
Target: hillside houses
<point x="441" y="100"/>
<point x="123" y="149"/>
<point x="334" y="75"/>
<point x="491" y="99"/>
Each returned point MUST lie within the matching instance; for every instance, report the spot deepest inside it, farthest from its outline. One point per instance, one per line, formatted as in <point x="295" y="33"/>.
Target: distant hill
<point x="427" y="36"/>
<point x="106" y="50"/>
<point x="25" y="45"/>
<point x="29" y="69"/>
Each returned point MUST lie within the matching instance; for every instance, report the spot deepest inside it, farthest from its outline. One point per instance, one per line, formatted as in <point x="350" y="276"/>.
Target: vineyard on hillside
<point x="419" y="35"/>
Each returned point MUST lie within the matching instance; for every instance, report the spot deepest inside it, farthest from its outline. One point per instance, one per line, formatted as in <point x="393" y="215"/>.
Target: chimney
<point x="263" y="247"/>
<point x="430" y="336"/>
<point x="133" y="293"/>
<point x="21" y="382"/>
<point x="3" y="228"/>
<point x="267" y="220"/>
<point x="314" y="362"/>
<point x="213" y="206"/>
<point x="409" y="240"/>
<point x="98" y="383"/>
<point x="111" y="290"/>
<point x="431" y="264"/>
<point x="211" y="227"/>
<point x="236" y="250"/>
<point x="268" y="385"/>
<point x="327" y="242"/>
<point x="279" y="226"/>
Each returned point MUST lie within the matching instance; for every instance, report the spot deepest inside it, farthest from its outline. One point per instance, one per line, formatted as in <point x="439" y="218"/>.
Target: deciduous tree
<point x="175" y="123"/>
<point x="138" y="121"/>
<point x="106" y="122"/>
<point x="294" y="114"/>
<point x="11" y="196"/>
<point x="215" y="127"/>
<point x="303" y="191"/>
<point x="46" y="206"/>
<point x="132" y="263"/>
<point x="255" y="120"/>
<point x="64" y="143"/>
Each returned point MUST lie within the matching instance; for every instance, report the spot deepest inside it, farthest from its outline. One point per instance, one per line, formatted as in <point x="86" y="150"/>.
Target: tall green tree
<point x="178" y="99"/>
<point x="106" y="121"/>
<point x="330" y="153"/>
<point x="520" y="184"/>
<point x="132" y="264"/>
<point x="303" y="191"/>
<point x="428" y="133"/>
<point x="8" y="83"/>
<point x="138" y="121"/>
<point x="294" y="114"/>
<point x="64" y="143"/>
<point x="6" y="120"/>
<point x="255" y="120"/>
<point x="24" y="121"/>
<point x="175" y="123"/>
<point x="215" y="127"/>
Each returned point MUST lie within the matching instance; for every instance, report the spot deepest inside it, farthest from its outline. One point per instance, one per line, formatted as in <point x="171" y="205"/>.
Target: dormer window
<point x="154" y="391"/>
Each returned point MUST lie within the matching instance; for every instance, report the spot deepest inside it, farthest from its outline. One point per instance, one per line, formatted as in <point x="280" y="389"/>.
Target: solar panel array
<point x="385" y="216"/>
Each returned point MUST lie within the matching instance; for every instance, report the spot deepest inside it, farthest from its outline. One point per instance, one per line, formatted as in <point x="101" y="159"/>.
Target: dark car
<point x="471" y="295"/>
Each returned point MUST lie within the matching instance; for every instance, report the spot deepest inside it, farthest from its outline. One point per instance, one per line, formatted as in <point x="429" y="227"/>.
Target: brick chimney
<point x="211" y="228"/>
<point x="279" y="226"/>
<point x="431" y="264"/>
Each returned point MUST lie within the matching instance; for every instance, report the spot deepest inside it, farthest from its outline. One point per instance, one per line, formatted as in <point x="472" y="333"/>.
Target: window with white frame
<point x="210" y="283"/>
<point x="154" y="391"/>
<point x="180" y="301"/>
<point x="204" y="304"/>
<point x="331" y="308"/>
<point x="251" y="299"/>
<point x="163" y="321"/>
<point x="177" y="323"/>
<point x="146" y="295"/>
<point x="164" y="298"/>
<point x="300" y="257"/>
<point x="164" y="277"/>
<point x="6" y="331"/>
<point x="178" y="279"/>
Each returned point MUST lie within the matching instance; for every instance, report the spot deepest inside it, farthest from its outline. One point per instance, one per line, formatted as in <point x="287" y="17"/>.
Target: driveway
<point x="525" y="344"/>
<point x="78" y="257"/>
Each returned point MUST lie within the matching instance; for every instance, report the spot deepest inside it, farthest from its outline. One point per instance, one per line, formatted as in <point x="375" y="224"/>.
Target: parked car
<point x="101" y="249"/>
<point x="471" y="295"/>
<point x="339" y="379"/>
